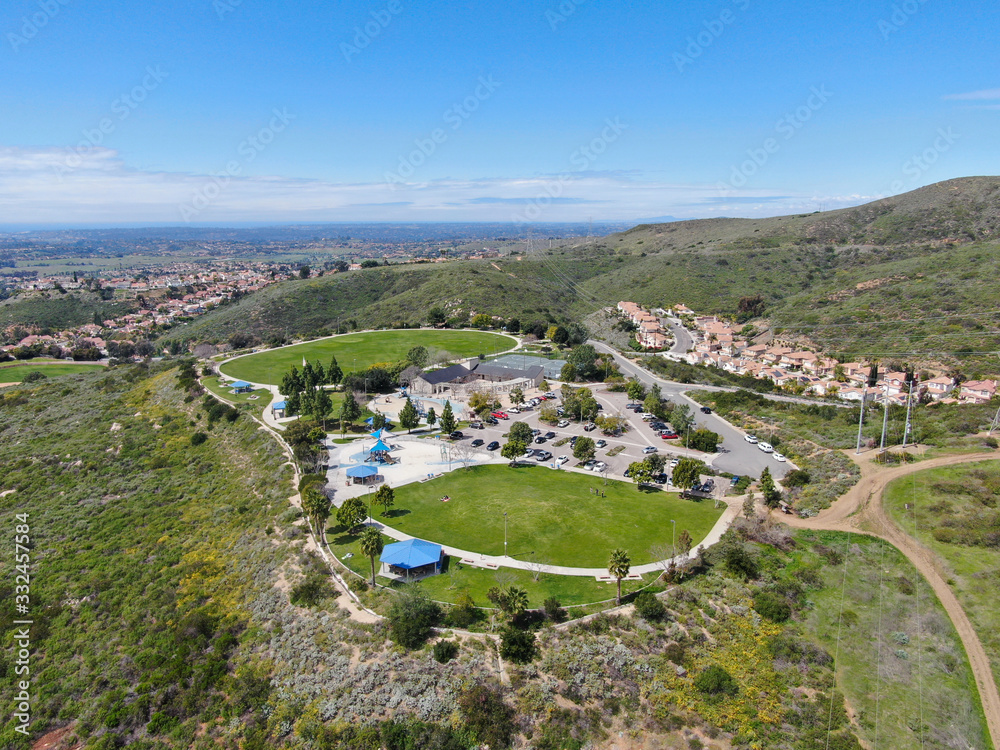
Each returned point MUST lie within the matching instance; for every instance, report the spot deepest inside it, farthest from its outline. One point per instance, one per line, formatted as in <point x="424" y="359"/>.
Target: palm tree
<point x="317" y="507"/>
<point x="372" y="546"/>
<point x="618" y="566"/>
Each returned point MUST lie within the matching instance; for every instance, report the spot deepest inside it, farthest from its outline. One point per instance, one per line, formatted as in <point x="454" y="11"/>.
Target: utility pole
<point x="910" y="377"/>
<point x="885" y="418"/>
<point x="870" y="383"/>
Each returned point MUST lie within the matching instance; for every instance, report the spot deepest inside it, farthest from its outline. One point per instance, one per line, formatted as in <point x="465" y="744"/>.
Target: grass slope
<point x="53" y="311"/>
<point x="553" y="517"/>
<point x="953" y="511"/>
<point x="361" y="350"/>
<point x="12" y="373"/>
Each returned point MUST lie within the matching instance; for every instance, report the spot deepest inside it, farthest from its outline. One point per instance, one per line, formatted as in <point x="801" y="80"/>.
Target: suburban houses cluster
<point x="719" y="344"/>
<point x="649" y="328"/>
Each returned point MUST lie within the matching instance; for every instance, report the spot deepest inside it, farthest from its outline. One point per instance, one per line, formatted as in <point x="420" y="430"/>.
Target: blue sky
<point x="215" y="111"/>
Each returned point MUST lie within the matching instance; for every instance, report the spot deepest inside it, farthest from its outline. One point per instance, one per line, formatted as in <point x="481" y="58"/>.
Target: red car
<point x="500" y="415"/>
<point x="669" y="435"/>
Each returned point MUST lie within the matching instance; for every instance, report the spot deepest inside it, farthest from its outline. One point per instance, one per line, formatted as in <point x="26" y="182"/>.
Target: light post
<point x="505" y="533"/>
<point x="673" y="537"/>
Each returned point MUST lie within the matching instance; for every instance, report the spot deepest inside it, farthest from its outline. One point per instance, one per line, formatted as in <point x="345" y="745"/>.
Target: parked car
<point x="705" y="410"/>
<point x="766" y="447"/>
<point x="457" y="435"/>
<point x="649" y="449"/>
<point x="751" y="439"/>
<point x="778" y="457"/>
<point x="572" y="440"/>
<point x="657" y="424"/>
<point x="550" y="394"/>
<point x="514" y="410"/>
<point x="477" y="425"/>
<point x="536" y="432"/>
<point x="674" y="462"/>
<point x="477" y="442"/>
<point x="549" y="435"/>
<point x="735" y="480"/>
<point x="528" y="453"/>
<point x="543" y="456"/>
<point x="633" y="407"/>
<point x="669" y="435"/>
<point x="560" y="411"/>
<point x="589" y="466"/>
<point x="563" y="423"/>
<point x="590" y="426"/>
<point x="493" y="446"/>
<point x="562" y="460"/>
<point x="600" y="466"/>
<point x="492" y="420"/>
<point x="601" y="443"/>
<point x="499" y="415"/>
<point x="648" y="417"/>
<point x="541" y="439"/>
<point x="660" y="478"/>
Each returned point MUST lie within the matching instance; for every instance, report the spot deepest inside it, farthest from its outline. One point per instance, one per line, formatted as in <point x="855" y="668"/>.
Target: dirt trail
<point x="860" y="510"/>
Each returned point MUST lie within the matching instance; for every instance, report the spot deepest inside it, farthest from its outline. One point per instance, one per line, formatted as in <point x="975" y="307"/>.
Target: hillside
<point x="55" y="311"/>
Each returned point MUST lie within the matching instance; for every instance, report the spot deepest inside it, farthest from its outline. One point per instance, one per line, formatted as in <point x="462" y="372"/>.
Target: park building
<point x="460" y="381"/>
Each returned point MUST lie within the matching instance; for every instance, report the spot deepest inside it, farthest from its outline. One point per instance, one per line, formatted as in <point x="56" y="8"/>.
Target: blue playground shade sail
<point x="413" y="553"/>
<point x="380" y="447"/>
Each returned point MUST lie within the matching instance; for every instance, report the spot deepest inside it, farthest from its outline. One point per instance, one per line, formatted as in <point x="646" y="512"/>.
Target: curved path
<point x="860" y="510"/>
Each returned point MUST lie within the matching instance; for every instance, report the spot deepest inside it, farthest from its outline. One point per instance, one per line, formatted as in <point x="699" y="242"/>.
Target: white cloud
<point x="985" y="94"/>
<point x="58" y="186"/>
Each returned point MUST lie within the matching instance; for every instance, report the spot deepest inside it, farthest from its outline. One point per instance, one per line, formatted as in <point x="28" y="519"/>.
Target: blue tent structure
<point x="241" y="386"/>
<point x="279" y="406"/>
<point x="379" y="452"/>
<point x="413" y="558"/>
<point x="361" y="474"/>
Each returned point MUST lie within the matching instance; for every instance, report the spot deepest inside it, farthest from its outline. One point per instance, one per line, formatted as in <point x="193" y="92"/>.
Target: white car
<point x="562" y="460"/>
<point x="766" y="447"/>
<point x="750" y="439"/>
<point x="514" y="410"/>
<point x="599" y="466"/>
<point x="563" y="423"/>
<point x="674" y="462"/>
<point x="649" y="449"/>
<point x="778" y="457"/>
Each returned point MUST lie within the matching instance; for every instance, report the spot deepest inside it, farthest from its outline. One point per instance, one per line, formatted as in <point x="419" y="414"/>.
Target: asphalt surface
<point x="683" y="340"/>
<point x="737" y="456"/>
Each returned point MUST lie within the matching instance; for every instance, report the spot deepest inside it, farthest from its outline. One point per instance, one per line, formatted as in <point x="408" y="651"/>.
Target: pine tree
<point x="408" y="416"/>
<point x="333" y="373"/>
<point x="448" y="422"/>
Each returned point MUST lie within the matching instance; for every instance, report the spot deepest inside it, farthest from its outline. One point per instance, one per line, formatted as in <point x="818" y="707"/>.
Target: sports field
<point x="553" y="517"/>
<point x="357" y="351"/>
<point x="12" y="373"/>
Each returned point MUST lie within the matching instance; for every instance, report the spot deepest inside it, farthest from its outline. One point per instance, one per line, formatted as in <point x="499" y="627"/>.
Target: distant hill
<point x="911" y="277"/>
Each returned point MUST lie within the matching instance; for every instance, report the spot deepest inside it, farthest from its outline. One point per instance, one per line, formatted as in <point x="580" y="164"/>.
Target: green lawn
<point x="950" y="509"/>
<point x="356" y="351"/>
<point x="458" y="578"/>
<point x="12" y="373"/>
<point x="258" y="404"/>
<point x="553" y="517"/>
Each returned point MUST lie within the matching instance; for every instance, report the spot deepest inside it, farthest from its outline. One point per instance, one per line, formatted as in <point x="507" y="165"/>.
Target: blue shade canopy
<point x="380" y="447"/>
<point x="362" y="471"/>
<point x="240" y="384"/>
<point x="413" y="553"/>
<point x="279" y="405"/>
<point x="370" y="420"/>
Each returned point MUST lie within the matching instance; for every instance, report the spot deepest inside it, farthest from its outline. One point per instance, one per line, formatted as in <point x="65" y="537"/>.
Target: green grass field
<point x="553" y="518"/>
<point x="12" y="373"/>
<point x="949" y="509"/>
<point x="458" y="578"/>
<point x="357" y="351"/>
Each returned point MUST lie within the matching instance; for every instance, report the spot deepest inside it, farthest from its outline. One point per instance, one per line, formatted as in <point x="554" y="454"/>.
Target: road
<point x="860" y="510"/>
<point x="683" y="340"/>
<point x="739" y="456"/>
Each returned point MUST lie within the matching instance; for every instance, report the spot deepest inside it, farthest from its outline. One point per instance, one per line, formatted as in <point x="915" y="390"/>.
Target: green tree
<point x="517" y="645"/>
<point x="687" y="473"/>
<point x="412" y="618"/>
<point x="291" y="382"/>
<point x="352" y="513"/>
<point x="681" y="417"/>
<point x="560" y="336"/>
<point x="640" y="473"/>
<point x="716" y="681"/>
<point x="510" y="600"/>
<point x="408" y="416"/>
<point x="772" y="496"/>
<point x="333" y="372"/>
<point x="649" y="608"/>
<point x="512" y="449"/>
<point x="656" y="462"/>
<point x="684" y="542"/>
<point x="417" y="356"/>
<point x="432" y="417"/>
<point x="584" y="359"/>
<point x="378" y="420"/>
<point x="568" y="373"/>
<point x="372" y="545"/>
<point x="653" y="403"/>
<point x="520" y="431"/>
<point x="304" y="272"/>
<point x="386" y="497"/>
<point x="349" y="411"/>
<point x="482" y="403"/>
<point x="316" y="506"/>
<point x="436" y="316"/>
<point x="484" y="712"/>
<point x="482" y="321"/>
<point x="448" y="422"/>
<point x="584" y="449"/>
<point x="322" y="405"/>
<point x="619" y="565"/>
<point x="517" y="396"/>
<point x="635" y="389"/>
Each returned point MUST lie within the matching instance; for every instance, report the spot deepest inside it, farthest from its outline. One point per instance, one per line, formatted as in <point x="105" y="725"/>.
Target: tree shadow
<point x="343" y="539"/>
<point x="396" y="513"/>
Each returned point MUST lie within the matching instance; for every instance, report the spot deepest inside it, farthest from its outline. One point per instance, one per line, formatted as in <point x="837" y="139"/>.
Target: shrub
<point x="518" y="646"/>
<point x="486" y="715"/>
<point x="35" y="375"/>
<point x="198" y="438"/>
<point x="716" y="681"/>
<point x="772" y="606"/>
<point x="445" y="651"/>
<point x="464" y="613"/>
<point x="311" y="591"/>
<point x="649" y="608"/>
<point x="411" y="618"/>
<point x="553" y="609"/>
